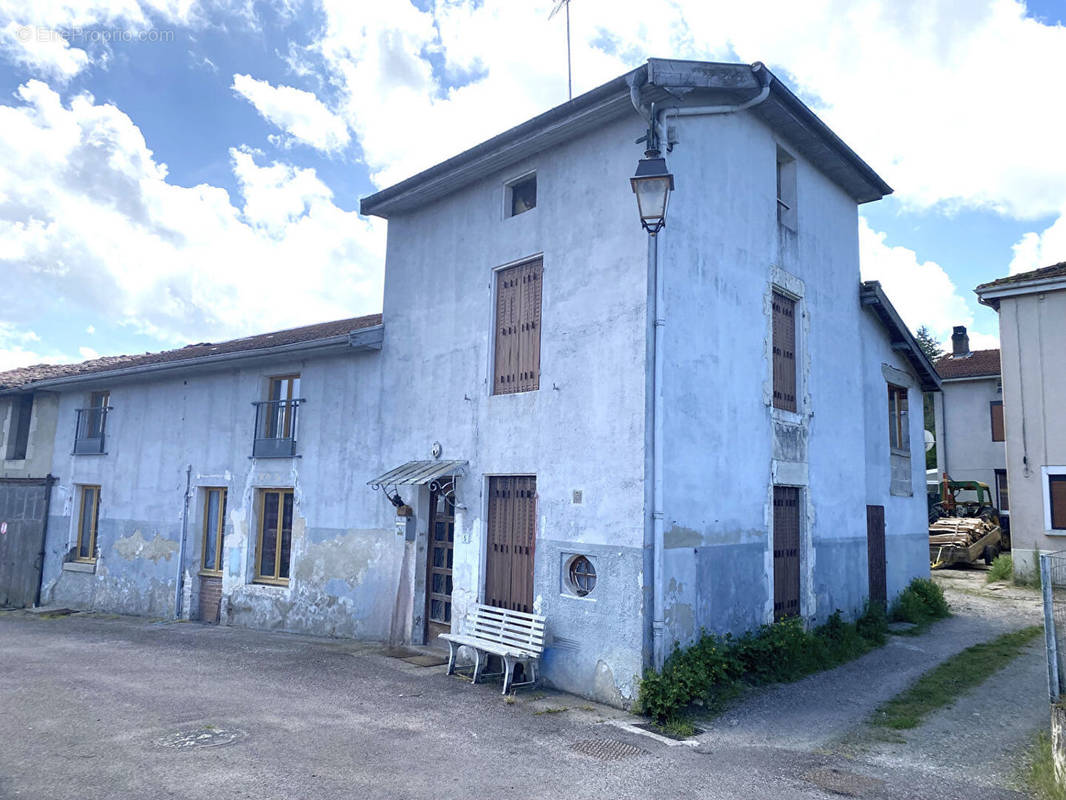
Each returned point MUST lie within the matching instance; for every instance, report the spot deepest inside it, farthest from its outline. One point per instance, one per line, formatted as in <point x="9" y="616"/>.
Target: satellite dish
<point x="930" y="441"/>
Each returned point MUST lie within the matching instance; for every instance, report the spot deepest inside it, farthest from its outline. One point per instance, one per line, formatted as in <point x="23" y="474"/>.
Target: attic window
<point x="522" y="195"/>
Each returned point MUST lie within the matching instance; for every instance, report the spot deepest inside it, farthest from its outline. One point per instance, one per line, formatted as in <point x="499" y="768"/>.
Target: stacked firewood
<point x="959" y="531"/>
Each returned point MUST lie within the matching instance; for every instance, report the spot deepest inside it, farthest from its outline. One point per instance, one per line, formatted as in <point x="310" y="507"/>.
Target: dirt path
<point x="979" y="739"/>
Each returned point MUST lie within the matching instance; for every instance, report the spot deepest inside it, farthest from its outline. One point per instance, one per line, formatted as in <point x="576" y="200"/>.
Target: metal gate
<point x="875" y="554"/>
<point x="511" y="543"/>
<point x="23" y="516"/>
<point x="786" y="552"/>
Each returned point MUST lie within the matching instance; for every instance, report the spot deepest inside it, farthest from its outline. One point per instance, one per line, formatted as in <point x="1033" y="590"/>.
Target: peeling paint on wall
<point x="135" y="546"/>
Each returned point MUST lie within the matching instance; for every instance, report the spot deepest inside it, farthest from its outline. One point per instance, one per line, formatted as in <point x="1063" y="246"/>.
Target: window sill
<point x="283" y="583"/>
<point x="79" y="566"/>
<point x="898" y="452"/>
<point x="207" y="573"/>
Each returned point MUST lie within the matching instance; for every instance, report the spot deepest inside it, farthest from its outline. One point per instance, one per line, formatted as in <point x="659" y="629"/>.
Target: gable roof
<point x="873" y="297"/>
<point x="667" y="82"/>
<point x="44" y="375"/>
<point x="978" y="364"/>
<point x="1038" y="280"/>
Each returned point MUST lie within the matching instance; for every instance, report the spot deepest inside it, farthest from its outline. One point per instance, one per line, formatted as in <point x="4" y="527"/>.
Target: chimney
<point x="960" y="342"/>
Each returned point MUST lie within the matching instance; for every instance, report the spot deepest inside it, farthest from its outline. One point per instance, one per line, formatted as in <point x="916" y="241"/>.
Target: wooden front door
<point x="875" y="554"/>
<point x="786" y="552"/>
<point x="511" y="543"/>
<point x="439" y="567"/>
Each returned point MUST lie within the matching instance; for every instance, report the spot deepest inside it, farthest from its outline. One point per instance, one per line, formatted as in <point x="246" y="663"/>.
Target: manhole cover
<point x="839" y="781"/>
<point x="204" y="736"/>
<point x="606" y="749"/>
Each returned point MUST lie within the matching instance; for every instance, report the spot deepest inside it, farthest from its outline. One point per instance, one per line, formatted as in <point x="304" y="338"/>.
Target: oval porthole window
<point x="582" y="576"/>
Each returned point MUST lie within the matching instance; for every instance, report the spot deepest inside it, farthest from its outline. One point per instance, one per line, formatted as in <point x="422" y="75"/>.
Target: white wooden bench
<point x="514" y="636"/>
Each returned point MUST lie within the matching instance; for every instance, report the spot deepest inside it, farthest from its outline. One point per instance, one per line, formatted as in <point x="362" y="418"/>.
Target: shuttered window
<point x="518" y="297"/>
<point x="512" y="534"/>
<point x="996" y="411"/>
<point x="784" y="348"/>
<point x="1057" y="497"/>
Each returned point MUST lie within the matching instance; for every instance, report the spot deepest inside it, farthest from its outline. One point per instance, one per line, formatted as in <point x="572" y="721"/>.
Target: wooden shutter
<point x="1057" y="490"/>
<point x="784" y="351"/>
<point x="512" y="527"/>
<point x="996" y="410"/>
<point x="786" y="552"/>
<point x="518" y="313"/>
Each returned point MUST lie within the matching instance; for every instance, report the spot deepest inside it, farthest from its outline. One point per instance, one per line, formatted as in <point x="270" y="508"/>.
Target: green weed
<point x="1002" y="568"/>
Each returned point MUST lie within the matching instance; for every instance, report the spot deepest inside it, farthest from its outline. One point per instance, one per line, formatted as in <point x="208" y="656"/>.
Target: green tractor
<point x="964" y="525"/>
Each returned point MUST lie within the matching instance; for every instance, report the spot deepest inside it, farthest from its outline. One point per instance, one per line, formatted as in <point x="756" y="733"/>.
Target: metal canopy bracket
<point x="440" y="476"/>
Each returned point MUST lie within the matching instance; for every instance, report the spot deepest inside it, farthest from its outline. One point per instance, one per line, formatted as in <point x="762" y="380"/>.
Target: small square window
<point x="522" y="195"/>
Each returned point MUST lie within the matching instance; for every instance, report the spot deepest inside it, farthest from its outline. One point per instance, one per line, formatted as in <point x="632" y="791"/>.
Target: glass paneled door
<point x="439" y="567"/>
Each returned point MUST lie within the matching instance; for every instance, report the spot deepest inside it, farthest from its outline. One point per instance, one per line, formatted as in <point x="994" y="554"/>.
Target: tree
<point x="930" y="346"/>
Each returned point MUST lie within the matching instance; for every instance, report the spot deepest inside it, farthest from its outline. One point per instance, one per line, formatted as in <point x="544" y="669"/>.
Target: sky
<point x="174" y="171"/>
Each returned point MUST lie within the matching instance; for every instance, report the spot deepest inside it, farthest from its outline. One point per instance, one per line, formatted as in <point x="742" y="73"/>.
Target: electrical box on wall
<point x="405" y="527"/>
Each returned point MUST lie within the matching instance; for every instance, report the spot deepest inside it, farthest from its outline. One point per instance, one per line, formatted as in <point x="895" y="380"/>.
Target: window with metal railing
<point x="90" y="429"/>
<point x="276" y="419"/>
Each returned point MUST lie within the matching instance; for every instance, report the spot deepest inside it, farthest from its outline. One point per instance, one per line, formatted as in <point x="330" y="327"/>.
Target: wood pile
<point x="959" y="531"/>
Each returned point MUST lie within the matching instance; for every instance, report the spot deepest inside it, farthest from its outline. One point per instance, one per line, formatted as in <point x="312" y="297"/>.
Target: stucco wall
<point x="1032" y="331"/>
<point x="725" y="444"/>
<point x="906" y="516"/>
<point x="969" y="454"/>
<point x="43" y="420"/>
<point x="582" y="430"/>
<point x="345" y="554"/>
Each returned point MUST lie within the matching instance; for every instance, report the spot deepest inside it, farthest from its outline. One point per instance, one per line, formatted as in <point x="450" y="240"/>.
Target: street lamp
<point x="652" y="185"/>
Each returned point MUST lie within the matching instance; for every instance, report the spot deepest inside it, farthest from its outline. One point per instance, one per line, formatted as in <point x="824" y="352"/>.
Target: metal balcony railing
<point x="90" y="431"/>
<point x="275" y="428"/>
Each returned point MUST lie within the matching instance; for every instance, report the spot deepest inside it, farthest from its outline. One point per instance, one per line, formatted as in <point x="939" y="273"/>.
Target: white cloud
<point x="43" y="51"/>
<point x="918" y="89"/>
<point x="1035" y="250"/>
<point x="87" y="353"/>
<point x="91" y="329"/>
<point x="89" y="216"/>
<point x="921" y="291"/>
<point x="17" y="348"/>
<point x="300" y="114"/>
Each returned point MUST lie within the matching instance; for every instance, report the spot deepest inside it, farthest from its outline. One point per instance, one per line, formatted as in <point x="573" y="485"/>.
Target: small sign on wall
<point x="3" y="528"/>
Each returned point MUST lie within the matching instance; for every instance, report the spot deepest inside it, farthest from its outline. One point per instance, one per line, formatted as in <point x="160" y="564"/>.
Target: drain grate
<point x="204" y="736"/>
<point x="606" y="749"/>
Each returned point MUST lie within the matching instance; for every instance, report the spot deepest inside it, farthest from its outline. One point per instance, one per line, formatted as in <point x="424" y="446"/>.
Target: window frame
<point x="275" y="579"/>
<point x="271" y="427"/>
<point x="899" y="434"/>
<point x="84" y="489"/>
<point x="509" y="196"/>
<point x="1002" y="491"/>
<point x="1049" y="476"/>
<point x="220" y="527"/>
<point x="992" y="406"/>
<point x="99" y="402"/>
<point x="785" y="170"/>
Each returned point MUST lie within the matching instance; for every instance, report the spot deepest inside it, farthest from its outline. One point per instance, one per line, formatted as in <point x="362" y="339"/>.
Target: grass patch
<point x="551" y="710"/>
<point x="1002" y="568"/>
<point x="942" y="685"/>
<point x="678" y="728"/>
<point x="1040" y="775"/>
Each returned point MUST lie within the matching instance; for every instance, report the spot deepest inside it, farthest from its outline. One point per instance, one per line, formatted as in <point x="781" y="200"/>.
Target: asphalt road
<point x="93" y="707"/>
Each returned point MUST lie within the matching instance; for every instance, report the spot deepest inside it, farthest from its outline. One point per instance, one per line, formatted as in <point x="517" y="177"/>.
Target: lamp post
<point x="652" y="185"/>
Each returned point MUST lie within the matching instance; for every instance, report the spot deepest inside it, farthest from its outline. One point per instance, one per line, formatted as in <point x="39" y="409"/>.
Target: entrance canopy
<point x="418" y="473"/>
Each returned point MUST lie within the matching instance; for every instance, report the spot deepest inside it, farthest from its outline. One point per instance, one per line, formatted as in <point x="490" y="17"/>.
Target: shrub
<point x="1002" y="568"/>
<point x="715" y="669"/>
<point x="920" y="603"/>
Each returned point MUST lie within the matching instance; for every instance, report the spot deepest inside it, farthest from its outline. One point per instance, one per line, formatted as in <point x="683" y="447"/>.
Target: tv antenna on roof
<point x="560" y="4"/>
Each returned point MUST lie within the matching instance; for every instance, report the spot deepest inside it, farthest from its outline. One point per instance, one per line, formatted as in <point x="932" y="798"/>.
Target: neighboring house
<point x="970" y="429"/>
<point x="27" y="435"/>
<point x="549" y="420"/>
<point x="1032" y="333"/>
